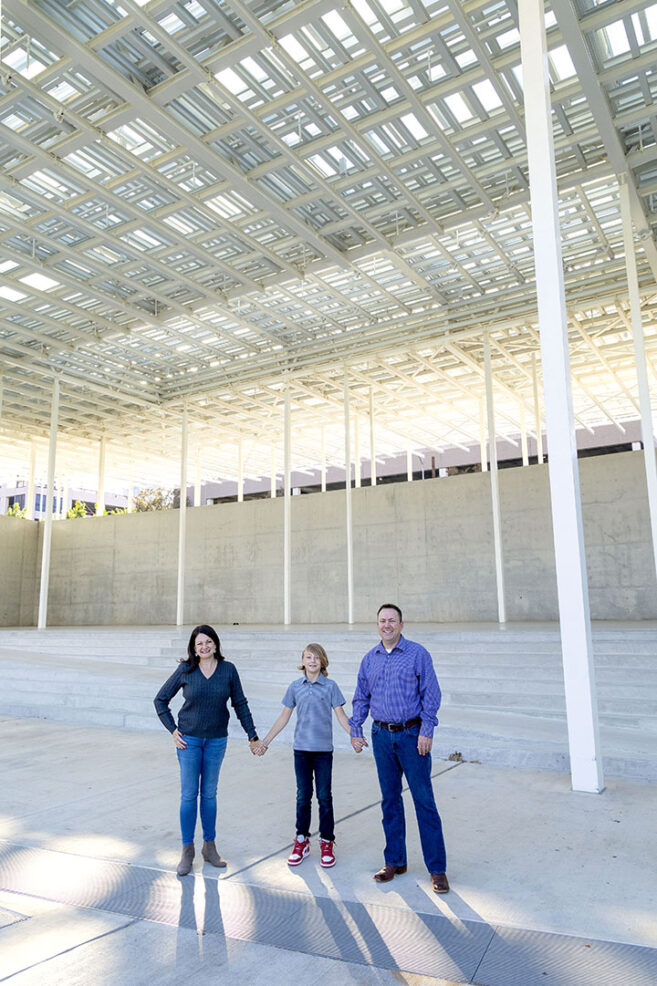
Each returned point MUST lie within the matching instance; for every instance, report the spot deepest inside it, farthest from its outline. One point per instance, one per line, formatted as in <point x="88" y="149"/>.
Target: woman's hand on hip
<point x="178" y="740"/>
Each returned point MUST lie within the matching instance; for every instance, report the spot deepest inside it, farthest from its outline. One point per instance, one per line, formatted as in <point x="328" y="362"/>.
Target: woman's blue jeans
<point x="320" y="764"/>
<point x="395" y="755"/>
<point x="200" y="763"/>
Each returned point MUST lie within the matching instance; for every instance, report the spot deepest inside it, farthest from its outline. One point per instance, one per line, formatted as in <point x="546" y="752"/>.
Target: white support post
<point x="347" y="487"/>
<point x="42" y="618"/>
<point x="572" y="586"/>
<point x="356" y="453"/>
<point x="372" y="447"/>
<point x="523" y="435"/>
<point x="537" y="411"/>
<point x="30" y="483"/>
<point x="130" y="485"/>
<point x="240" y="472"/>
<point x="482" y="436"/>
<point x="287" y="508"/>
<point x="197" y="477"/>
<point x="100" y="501"/>
<point x="272" y="476"/>
<point x="409" y="464"/>
<point x="647" y="428"/>
<point x="323" y="462"/>
<point x="494" y="487"/>
<point x="182" y="518"/>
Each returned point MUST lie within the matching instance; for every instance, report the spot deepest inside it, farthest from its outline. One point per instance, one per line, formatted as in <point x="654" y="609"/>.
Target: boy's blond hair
<point x="319" y="652"/>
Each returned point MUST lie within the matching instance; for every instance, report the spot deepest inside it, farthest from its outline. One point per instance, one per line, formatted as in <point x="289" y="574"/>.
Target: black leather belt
<point x="396" y="727"/>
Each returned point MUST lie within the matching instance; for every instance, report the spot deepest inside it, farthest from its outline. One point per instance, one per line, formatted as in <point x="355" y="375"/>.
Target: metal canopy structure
<point x="205" y="202"/>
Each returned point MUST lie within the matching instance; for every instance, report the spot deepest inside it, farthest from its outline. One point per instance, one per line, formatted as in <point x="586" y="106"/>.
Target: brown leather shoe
<point x="386" y="873"/>
<point x="440" y="883"/>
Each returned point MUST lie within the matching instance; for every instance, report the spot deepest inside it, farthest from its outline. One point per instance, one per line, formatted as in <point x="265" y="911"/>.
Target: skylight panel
<point x="171" y="23"/>
<point x="508" y="39"/>
<point x="562" y="63"/>
<point x="231" y="81"/>
<point x="650" y="14"/>
<point x="322" y="166"/>
<point x="487" y="95"/>
<point x="466" y="58"/>
<point x="39" y="282"/>
<point x="14" y="122"/>
<point x="338" y="27"/>
<point x="458" y="107"/>
<point x="616" y="38"/>
<point x="294" y="49"/>
<point x="365" y="12"/>
<point x="390" y="94"/>
<point x="11" y="294"/>
<point x="7" y="265"/>
<point x="414" y="126"/>
<point x="23" y="63"/>
<point x="252" y="67"/>
<point x="63" y="92"/>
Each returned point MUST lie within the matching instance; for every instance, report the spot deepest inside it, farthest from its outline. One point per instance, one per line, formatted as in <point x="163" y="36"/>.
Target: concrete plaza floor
<point x="548" y="886"/>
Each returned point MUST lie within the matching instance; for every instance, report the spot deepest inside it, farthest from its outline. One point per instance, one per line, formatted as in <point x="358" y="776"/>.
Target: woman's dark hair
<point x="192" y="658"/>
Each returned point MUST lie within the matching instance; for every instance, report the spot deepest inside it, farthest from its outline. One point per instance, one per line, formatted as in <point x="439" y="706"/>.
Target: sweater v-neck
<point x="208" y="676"/>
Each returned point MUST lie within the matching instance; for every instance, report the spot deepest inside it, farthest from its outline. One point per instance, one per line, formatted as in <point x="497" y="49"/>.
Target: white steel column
<point x="47" y="526"/>
<point x="523" y="435"/>
<point x="323" y="462"/>
<point x="409" y="464"/>
<point x="30" y="483"/>
<point x="182" y="518"/>
<point x="287" y="508"/>
<point x="272" y="474"/>
<point x="356" y="453"/>
<point x="240" y="472"/>
<point x="130" y="485"/>
<point x="197" y="478"/>
<point x="537" y="411"/>
<point x="347" y="487"/>
<point x="572" y="587"/>
<point x="372" y="450"/>
<point x="647" y="429"/>
<point x="494" y="487"/>
<point x="100" y="500"/>
<point x="482" y="436"/>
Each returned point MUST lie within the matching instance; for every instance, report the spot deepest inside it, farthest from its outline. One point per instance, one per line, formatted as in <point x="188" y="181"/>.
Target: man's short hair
<point x="390" y="606"/>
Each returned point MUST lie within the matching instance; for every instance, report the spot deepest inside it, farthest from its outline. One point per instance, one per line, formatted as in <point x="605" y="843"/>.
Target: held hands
<point x="181" y="744"/>
<point x="258" y="748"/>
<point x="358" y="742"/>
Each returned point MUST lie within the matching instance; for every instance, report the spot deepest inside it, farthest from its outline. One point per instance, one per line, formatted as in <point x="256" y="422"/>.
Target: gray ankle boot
<point x="210" y="854"/>
<point x="185" y="864"/>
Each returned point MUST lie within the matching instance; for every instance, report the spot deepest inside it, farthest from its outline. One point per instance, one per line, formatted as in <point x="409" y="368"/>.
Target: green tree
<point x="154" y="498"/>
<point x="77" y="510"/>
<point x="15" y="510"/>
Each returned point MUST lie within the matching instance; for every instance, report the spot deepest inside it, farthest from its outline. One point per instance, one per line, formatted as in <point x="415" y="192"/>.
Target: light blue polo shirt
<point x="314" y="702"/>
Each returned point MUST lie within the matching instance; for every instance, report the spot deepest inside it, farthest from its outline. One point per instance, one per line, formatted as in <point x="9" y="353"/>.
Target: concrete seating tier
<point x="503" y="695"/>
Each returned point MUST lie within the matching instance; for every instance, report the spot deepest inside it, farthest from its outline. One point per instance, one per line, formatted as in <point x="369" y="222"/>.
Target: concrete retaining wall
<point x="426" y="544"/>
<point x="20" y="559"/>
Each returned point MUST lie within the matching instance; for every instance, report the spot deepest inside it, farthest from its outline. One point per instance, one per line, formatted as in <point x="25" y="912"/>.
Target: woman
<point x="207" y="681"/>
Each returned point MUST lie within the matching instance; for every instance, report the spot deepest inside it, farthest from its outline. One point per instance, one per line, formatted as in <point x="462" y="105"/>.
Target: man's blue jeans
<point x="396" y="754"/>
<point x="319" y="763"/>
<point x="199" y="768"/>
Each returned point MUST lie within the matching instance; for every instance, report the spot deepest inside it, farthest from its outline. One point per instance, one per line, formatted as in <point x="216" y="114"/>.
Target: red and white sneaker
<point x="299" y="852"/>
<point x="327" y="855"/>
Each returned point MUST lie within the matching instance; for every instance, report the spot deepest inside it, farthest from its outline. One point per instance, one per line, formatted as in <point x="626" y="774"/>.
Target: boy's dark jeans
<point x="317" y="763"/>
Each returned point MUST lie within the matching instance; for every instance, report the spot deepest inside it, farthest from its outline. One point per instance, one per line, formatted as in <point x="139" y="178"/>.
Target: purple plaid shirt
<point x="396" y="687"/>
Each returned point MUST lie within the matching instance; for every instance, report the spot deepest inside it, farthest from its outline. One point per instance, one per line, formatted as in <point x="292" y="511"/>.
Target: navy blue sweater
<point x="205" y="711"/>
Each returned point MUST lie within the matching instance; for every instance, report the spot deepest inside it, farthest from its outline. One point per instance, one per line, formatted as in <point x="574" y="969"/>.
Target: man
<point x="397" y="686"/>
